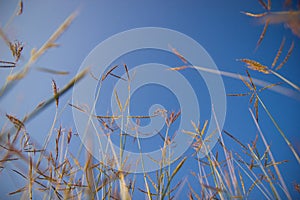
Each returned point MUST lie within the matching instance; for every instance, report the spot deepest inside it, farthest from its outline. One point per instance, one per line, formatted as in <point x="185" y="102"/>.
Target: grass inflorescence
<point x="54" y="171"/>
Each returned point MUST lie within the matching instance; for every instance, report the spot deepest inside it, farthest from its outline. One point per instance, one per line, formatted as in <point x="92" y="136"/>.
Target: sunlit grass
<point x="58" y="173"/>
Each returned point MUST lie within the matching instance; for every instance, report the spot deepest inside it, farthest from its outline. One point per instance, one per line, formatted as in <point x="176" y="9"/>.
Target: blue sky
<point x="219" y="27"/>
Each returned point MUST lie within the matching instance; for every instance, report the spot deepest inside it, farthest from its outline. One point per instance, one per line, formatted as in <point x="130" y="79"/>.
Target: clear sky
<point x="221" y="28"/>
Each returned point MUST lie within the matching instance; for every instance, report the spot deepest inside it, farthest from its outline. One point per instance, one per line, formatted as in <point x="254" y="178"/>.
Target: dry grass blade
<point x="107" y="117"/>
<point x="172" y="118"/>
<point x="142" y="116"/>
<point x="235" y="139"/>
<point x="69" y="136"/>
<point x="35" y="55"/>
<point x="194" y="193"/>
<point x="124" y="193"/>
<point x="20" y="11"/>
<point x="117" y="76"/>
<point x="239" y="95"/>
<point x="254" y="65"/>
<point x="149" y="194"/>
<point x="269" y="86"/>
<point x="256" y="108"/>
<point x="146" y="192"/>
<point x="152" y="182"/>
<point x="270" y="153"/>
<point x="204" y="127"/>
<point x="255" y="183"/>
<point x="286" y="57"/>
<point x="246" y="83"/>
<point x="278" y="53"/>
<point x="7" y="159"/>
<point x="20" y="173"/>
<point x="66" y="88"/>
<point x="277" y="163"/>
<point x="255" y="15"/>
<point x="93" y="76"/>
<point x="49" y="43"/>
<point x="251" y="81"/>
<point x="51" y="71"/>
<point x="279" y="89"/>
<point x="16" y="49"/>
<point x="262" y="35"/>
<point x="126" y="69"/>
<point x="77" y="107"/>
<point x="7" y="64"/>
<point x="179" y="55"/>
<point x="108" y="72"/>
<point x="18" y="123"/>
<point x="118" y="101"/>
<point x="178" y="68"/>
<point x="286" y="80"/>
<point x="18" y="191"/>
<point x="30" y="178"/>
<point x="55" y="92"/>
<point x="88" y="170"/>
<point x="196" y="128"/>
<point x="242" y="182"/>
<point x="269" y="4"/>
<point x="264" y="5"/>
<point x="4" y="37"/>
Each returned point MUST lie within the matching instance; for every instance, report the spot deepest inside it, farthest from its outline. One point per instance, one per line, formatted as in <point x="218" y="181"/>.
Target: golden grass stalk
<point x="55" y="92"/>
<point x="124" y="193"/>
<point x="17" y="123"/>
<point x="108" y="72"/>
<point x="51" y="71"/>
<point x="61" y="92"/>
<point x="242" y="182"/>
<point x="279" y="89"/>
<point x="88" y="170"/>
<point x="278" y="53"/>
<point x="254" y="65"/>
<point x="181" y="57"/>
<point x="49" y="43"/>
<point x="263" y="33"/>
<point x="45" y="104"/>
<point x="16" y="49"/>
<point x="118" y="101"/>
<point x="286" y="57"/>
<point x="36" y="54"/>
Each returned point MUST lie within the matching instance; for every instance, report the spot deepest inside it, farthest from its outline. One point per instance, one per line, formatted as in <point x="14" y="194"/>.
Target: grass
<point x="55" y="173"/>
